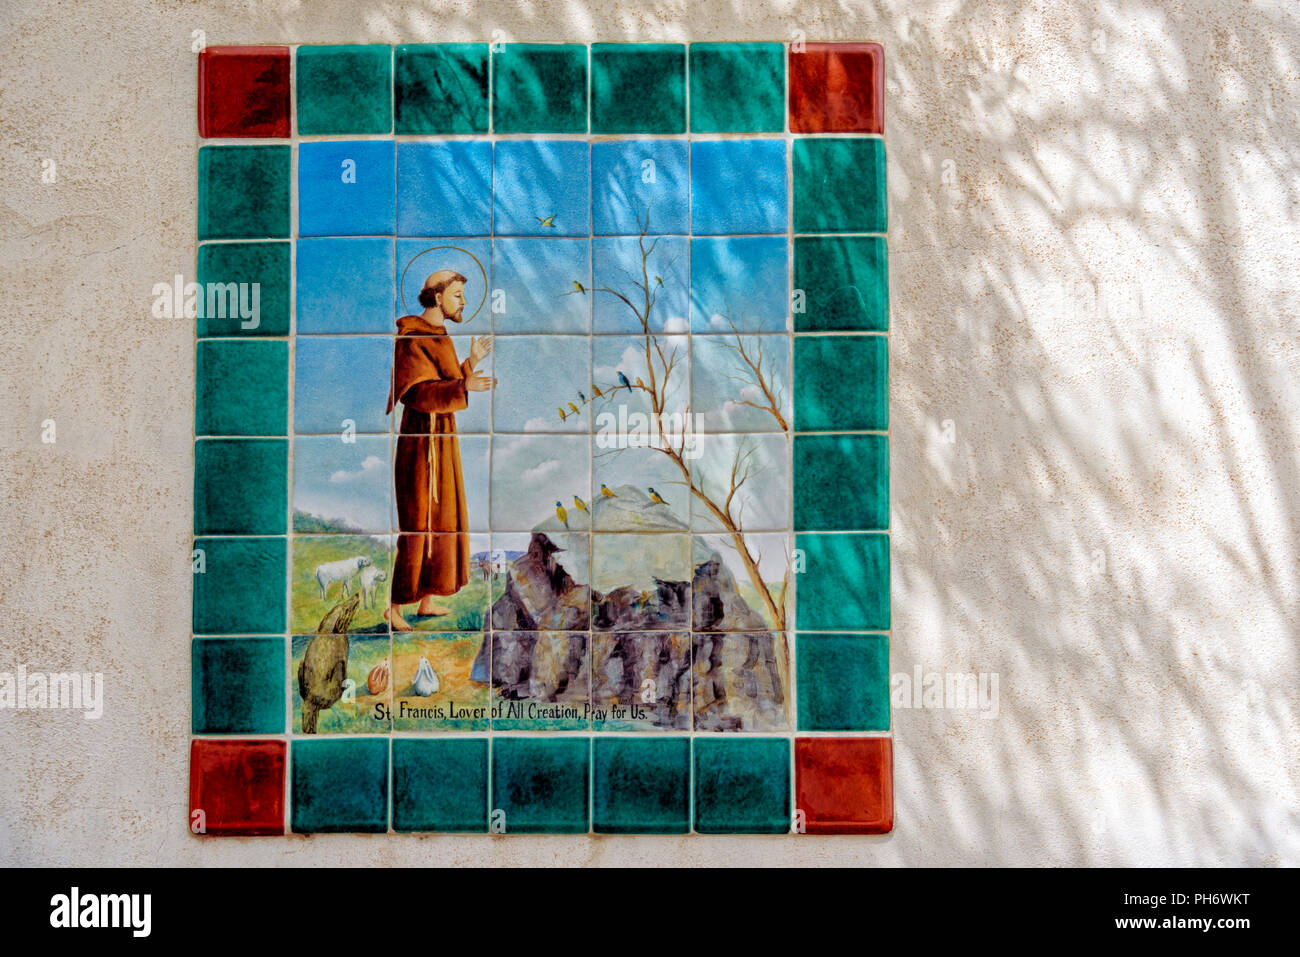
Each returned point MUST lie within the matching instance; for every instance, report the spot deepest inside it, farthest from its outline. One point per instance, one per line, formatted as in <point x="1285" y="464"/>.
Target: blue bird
<point x="623" y="381"/>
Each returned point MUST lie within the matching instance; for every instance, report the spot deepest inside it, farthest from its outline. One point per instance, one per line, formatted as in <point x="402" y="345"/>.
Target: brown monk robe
<point x="429" y="381"/>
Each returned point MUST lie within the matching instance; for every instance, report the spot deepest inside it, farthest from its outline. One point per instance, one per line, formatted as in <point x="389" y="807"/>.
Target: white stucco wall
<point x="1093" y="251"/>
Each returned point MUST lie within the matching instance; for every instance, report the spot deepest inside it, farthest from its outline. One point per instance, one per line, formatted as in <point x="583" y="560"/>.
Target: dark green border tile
<point x="241" y="486"/>
<point x="843" y="682"/>
<point x="237" y="685"/>
<point x="241" y="387"/>
<point x="441" y="88"/>
<point x="540" y="784"/>
<point x="841" y="483"/>
<point x="240" y="587"/>
<point x="440" y="784"/>
<point x="845" y="582"/>
<point x="737" y="87"/>
<point x="638" y="88"/>
<point x="641" y="786"/>
<point x="839" y="185"/>
<point x="539" y="88"/>
<point x="340" y="786"/>
<point x="244" y="192"/>
<point x="345" y="88"/>
<point x="845" y="282"/>
<point x="742" y="785"/>
<point x="841" y="383"/>
<point x="267" y="265"/>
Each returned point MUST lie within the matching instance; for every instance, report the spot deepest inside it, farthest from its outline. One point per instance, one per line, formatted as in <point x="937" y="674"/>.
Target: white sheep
<point x="340" y="571"/>
<point x="370" y="576"/>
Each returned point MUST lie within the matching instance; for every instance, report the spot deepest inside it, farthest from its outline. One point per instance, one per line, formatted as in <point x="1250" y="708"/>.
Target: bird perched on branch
<point x="622" y="379"/>
<point x="595" y="391"/>
<point x="573" y="408"/>
<point x="563" y="415"/>
<point x="324" y="667"/>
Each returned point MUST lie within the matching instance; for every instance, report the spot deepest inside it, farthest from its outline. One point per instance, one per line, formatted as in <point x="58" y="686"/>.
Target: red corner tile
<point x="845" y="785"/>
<point x="837" y="88"/>
<point x="244" y="91"/>
<point x="238" y="785"/>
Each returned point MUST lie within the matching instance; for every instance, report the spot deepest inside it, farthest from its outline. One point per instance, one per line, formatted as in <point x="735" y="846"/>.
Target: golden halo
<point x="401" y="286"/>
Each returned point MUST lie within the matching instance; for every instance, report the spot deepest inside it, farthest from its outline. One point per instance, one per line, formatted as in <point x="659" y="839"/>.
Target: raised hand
<point x="479" y="347"/>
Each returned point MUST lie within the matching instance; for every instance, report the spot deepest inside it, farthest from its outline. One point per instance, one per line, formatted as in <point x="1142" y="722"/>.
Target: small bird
<point x="322" y="674"/>
<point x="563" y="415"/>
<point x="623" y="381"/>
<point x="548" y="221"/>
<point x="581" y="504"/>
<point x="559" y="510"/>
<point x="604" y="490"/>
<point x="595" y="391"/>
<point x="579" y="287"/>
<point x="656" y="497"/>
<point x="658" y="281"/>
<point x="573" y="408"/>
<point x="639" y="383"/>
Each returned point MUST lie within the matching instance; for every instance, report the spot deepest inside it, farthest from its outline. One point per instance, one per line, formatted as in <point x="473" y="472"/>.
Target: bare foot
<point x="431" y="609"/>
<point x="393" y="615"/>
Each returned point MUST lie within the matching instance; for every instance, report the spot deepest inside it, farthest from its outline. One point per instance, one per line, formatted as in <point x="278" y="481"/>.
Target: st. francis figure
<point x="432" y="385"/>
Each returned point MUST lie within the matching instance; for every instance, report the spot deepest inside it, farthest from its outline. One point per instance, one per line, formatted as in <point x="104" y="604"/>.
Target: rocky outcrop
<point x="656" y="644"/>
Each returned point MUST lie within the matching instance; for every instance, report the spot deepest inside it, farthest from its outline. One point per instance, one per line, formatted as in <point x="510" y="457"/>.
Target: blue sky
<point x="721" y="382"/>
<point x="342" y="377"/>
<point x="742" y="278"/>
<point x="540" y="179"/>
<point x="534" y="278"/>
<point x="344" y="482"/>
<point x="738" y="187"/>
<point x="345" y="285"/>
<point x="444" y="189"/>
<point x="631" y="178"/>
<point x="331" y="205"/>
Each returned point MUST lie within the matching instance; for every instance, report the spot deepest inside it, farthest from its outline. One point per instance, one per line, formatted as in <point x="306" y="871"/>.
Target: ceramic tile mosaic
<point x="541" y="440"/>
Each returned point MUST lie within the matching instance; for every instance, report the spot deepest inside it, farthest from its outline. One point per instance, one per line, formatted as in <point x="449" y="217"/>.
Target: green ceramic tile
<point x="638" y="88"/>
<point x="841" y="383"/>
<point x="441" y="88"/>
<point x="241" y="486"/>
<point x="345" y="89"/>
<point x="239" y="585"/>
<point x="264" y="265"/>
<point x="843" y="682"/>
<point x="539" y="785"/>
<point x="238" y="685"/>
<point x="841" y="483"/>
<point x="737" y="87"/>
<point x="641" y="786"/>
<point x="845" y="582"/>
<point x="243" y="192"/>
<point x="839" y="185"/>
<point x="845" y="284"/>
<point x="440" y="784"/>
<point x="539" y="88"/>
<point x="742" y="785"/>
<point x="340" y="786"/>
<point x="241" y="388"/>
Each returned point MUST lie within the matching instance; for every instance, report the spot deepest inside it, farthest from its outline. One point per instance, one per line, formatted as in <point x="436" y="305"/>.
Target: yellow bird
<point x="595" y="391"/>
<point x="564" y="516"/>
<point x="656" y="497"/>
<point x="563" y="415"/>
<point x="639" y="383"/>
<point x="579" y="287"/>
<point x="573" y="408"/>
<point x="604" y="490"/>
<point x="548" y="221"/>
<point x="581" y="504"/>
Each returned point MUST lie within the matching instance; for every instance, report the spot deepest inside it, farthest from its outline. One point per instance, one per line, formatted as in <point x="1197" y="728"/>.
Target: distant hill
<point x="314" y="524"/>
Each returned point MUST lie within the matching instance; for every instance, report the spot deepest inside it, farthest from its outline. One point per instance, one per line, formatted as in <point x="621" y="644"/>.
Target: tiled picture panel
<point x="541" y="460"/>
